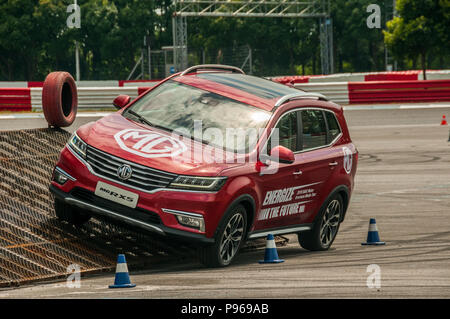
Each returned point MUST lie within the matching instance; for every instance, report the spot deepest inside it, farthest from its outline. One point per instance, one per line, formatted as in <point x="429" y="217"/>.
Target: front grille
<point x="144" y="178"/>
<point x="137" y="213"/>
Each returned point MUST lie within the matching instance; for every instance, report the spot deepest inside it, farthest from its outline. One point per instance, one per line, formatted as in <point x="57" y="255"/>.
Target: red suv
<point x="215" y="156"/>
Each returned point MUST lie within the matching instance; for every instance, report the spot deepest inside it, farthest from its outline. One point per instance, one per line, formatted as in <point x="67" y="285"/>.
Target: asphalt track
<point x="403" y="180"/>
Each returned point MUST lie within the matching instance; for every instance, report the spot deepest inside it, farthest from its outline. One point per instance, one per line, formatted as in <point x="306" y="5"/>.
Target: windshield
<point x="177" y="107"/>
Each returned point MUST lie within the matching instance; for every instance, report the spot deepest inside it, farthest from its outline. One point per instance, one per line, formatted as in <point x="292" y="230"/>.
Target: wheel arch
<point x="249" y="204"/>
<point x="345" y="194"/>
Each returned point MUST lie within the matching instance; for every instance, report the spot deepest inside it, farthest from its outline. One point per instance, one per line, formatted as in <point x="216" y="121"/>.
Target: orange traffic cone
<point x="444" y="120"/>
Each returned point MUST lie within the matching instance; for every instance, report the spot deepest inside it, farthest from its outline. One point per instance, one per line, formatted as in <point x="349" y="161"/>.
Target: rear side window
<point x="314" y="132"/>
<point x="333" y="126"/>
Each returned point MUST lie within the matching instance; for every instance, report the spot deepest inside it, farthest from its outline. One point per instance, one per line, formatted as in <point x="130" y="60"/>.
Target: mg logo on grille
<point x="124" y="172"/>
<point x="149" y="144"/>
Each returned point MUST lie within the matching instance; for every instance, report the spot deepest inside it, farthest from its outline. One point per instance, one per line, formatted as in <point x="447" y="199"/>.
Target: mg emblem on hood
<point x="124" y="172"/>
<point x="149" y="144"/>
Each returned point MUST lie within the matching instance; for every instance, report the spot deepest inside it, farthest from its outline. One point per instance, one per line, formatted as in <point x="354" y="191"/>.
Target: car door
<point x="278" y="208"/>
<point x="318" y="158"/>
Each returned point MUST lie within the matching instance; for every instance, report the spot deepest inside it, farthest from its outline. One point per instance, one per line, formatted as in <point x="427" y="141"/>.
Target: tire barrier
<point x="59" y="99"/>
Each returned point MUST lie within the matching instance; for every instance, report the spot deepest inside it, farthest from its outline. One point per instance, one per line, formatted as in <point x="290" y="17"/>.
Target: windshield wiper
<point x="140" y="118"/>
<point x="145" y="121"/>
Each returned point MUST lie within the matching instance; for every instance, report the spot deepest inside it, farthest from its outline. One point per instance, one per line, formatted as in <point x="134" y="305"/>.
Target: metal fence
<point x="35" y="245"/>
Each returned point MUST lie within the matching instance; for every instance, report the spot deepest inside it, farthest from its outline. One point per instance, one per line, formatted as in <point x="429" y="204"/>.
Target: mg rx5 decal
<point x="149" y="144"/>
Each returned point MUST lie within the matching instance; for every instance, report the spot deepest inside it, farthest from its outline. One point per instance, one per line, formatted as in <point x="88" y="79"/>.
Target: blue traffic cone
<point x="270" y="254"/>
<point x="122" y="278"/>
<point x="372" y="235"/>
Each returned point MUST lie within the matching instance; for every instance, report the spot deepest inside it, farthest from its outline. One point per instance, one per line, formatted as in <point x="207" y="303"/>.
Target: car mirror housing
<point x="279" y="154"/>
<point x="120" y="101"/>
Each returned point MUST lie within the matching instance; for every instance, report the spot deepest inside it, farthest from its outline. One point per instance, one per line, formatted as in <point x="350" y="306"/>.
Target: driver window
<point x="287" y="131"/>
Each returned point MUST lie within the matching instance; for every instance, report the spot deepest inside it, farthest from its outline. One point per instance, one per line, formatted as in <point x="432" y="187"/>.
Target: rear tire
<point x="326" y="226"/>
<point x="229" y="238"/>
<point x="70" y="214"/>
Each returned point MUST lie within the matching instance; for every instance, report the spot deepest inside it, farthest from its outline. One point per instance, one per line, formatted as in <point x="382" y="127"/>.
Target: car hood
<point x="152" y="147"/>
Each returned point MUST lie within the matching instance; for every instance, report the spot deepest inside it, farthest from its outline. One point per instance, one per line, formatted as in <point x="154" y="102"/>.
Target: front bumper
<point x="122" y="215"/>
<point x="165" y="203"/>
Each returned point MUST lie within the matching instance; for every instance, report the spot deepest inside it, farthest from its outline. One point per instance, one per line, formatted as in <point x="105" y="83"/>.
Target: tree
<point x="357" y="47"/>
<point x="420" y="28"/>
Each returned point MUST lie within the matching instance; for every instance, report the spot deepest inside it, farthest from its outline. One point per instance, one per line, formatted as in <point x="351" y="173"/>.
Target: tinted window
<point x="287" y="132"/>
<point x="314" y="129"/>
<point x="333" y="126"/>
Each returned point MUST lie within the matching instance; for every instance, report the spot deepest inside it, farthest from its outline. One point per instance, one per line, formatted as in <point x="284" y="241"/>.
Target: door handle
<point x="298" y="173"/>
<point x="333" y="164"/>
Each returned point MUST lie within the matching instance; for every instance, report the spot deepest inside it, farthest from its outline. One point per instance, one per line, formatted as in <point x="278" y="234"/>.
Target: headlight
<point x="78" y="145"/>
<point x="198" y="183"/>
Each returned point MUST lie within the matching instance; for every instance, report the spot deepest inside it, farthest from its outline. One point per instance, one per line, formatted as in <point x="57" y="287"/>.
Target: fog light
<point x="61" y="177"/>
<point x="188" y="219"/>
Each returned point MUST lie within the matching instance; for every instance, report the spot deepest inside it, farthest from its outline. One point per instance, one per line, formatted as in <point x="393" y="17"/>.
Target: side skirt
<point x="280" y="231"/>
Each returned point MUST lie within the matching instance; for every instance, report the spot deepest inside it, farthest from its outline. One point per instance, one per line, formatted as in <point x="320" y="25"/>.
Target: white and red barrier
<point x="335" y="91"/>
<point x="108" y="83"/>
<point x="391" y="89"/>
<point x="27" y="96"/>
<point x="15" y="99"/>
<point x="381" y="91"/>
<point x="414" y="75"/>
<point x="27" y="99"/>
<point x="400" y="91"/>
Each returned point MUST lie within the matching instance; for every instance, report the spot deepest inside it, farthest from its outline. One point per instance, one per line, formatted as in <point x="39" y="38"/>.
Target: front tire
<point x="70" y="214"/>
<point x="229" y="238"/>
<point x="326" y="226"/>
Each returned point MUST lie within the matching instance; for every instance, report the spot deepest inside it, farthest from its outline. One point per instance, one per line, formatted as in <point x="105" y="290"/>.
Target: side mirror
<point x="120" y="101"/>
<point x="280" y="154"/>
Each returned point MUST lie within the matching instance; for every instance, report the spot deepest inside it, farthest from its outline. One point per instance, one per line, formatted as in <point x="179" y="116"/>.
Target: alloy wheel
<point x="231" y="238"/>
<point x="330" y="223"/>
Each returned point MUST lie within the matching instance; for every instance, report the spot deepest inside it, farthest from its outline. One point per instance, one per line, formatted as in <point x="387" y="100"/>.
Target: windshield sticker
<point x="149" y="144"/>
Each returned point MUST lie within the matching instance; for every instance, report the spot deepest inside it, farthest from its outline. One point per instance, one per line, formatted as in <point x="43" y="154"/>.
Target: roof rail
<point x="217" y="67"/>
<point x="300" y="95"/>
